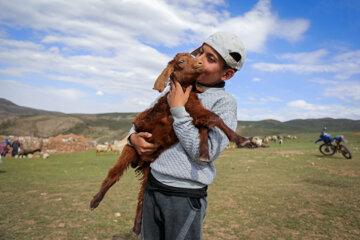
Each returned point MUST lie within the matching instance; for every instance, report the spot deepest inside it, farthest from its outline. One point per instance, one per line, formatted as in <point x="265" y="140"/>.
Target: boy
<point x="175" y="196"/>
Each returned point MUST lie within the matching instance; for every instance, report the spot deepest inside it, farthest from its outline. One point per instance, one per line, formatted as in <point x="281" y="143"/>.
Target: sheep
<point x="158" y="121"/>
<point x="102" y="148"/>
<point x="257" y="141"/>
<point x="119" y="145"/>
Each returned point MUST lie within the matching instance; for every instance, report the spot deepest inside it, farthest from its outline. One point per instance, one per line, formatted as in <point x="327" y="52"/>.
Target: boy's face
<point x="214" y="67"/>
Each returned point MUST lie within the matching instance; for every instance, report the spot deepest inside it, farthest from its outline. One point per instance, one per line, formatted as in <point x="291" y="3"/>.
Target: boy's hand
<point x="177" y="97"/>
<point x="141" y="145"/>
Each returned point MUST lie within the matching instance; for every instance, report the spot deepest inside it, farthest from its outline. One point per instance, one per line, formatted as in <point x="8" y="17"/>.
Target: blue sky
<point x="87" y="56"/>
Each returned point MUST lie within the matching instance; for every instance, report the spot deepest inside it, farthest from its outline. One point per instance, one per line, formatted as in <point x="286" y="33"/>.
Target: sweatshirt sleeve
<point x="188" y="134"/>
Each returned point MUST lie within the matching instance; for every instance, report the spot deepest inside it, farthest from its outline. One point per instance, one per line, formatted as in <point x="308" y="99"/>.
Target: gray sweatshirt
<point x="179" y="166"/>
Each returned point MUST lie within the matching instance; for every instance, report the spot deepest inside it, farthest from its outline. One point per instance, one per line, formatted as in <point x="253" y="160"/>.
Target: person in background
<point x="15" y="147"/>
<point x="4" y="148"/>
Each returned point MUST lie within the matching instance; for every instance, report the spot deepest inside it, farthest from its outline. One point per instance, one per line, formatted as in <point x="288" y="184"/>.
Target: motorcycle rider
<point x="326" y="137"/>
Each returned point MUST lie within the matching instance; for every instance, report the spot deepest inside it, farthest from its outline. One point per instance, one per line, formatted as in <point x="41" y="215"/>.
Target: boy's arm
<point x="188" y="134"/>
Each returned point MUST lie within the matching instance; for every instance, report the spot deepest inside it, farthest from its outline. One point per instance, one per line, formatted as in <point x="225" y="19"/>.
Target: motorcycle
<point x="332" y="145"/>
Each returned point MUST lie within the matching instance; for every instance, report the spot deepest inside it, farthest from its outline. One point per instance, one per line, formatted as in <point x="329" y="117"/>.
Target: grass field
<point x="281" y="192"/>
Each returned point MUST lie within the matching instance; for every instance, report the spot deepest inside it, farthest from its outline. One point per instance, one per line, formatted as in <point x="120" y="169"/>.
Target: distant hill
<point x="101" y="127"/>
<point x="270" y="127"/>
<point x="8" y="107"/>
<point x="21" y="121"/>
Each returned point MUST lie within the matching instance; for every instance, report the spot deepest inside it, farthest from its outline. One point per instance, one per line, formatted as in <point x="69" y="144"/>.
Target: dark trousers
<point x="172" y="217"/>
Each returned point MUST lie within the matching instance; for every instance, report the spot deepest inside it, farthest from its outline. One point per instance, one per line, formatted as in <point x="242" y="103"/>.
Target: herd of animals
<point x="255" y="142"/>
<point x="117" y="146"/>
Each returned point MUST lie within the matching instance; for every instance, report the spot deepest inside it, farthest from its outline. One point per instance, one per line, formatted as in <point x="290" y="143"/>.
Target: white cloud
<point x="70" y="100"/>
<point x="257" y="25"/>
<point x="302" y="104"/>
<point x="343" y="65"/>
<point x="324" y="81"/>
<point x="118" y="48"/>
<point x="303" y="109"/>
<point x="100" y="93"/>
<point x="347" y="91"/>
<point x="106" y="46"/>
<point x="259" y="100"/>
<point x="41" y="97"/>
<point x="297" y="68"/>
<point x="291" y="30"/>
<point x="299" y="110"/>
<point x="305" y="57"/>
<point x="353" y="56"/>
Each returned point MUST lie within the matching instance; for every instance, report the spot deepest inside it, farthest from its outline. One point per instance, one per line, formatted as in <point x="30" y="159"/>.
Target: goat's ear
<point x="162" y="80"/>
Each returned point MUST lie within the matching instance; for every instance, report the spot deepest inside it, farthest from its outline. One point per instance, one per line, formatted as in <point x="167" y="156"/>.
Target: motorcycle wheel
<point x="345" y="152"/>
<point x="327" y="150"/>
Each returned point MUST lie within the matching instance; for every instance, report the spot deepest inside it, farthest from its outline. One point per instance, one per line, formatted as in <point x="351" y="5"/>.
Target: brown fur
<point x="158" y="121"/>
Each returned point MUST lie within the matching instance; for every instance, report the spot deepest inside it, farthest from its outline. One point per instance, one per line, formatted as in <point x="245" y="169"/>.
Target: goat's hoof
<point x="244" y="143"/>
<point x="94" y="203"/>
<point x="137" y="229"/>
<point x="93" y="206"/>
<point x="204" y="159"/>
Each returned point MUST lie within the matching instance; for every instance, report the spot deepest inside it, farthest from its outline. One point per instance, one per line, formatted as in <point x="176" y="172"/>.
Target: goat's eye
<point x="181" y="61"/>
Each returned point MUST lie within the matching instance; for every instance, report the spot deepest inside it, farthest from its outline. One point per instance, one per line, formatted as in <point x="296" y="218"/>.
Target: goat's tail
<point x="128" y="155"/>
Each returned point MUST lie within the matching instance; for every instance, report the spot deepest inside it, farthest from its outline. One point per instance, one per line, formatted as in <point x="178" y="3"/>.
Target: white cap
<point x="228" y="46"/>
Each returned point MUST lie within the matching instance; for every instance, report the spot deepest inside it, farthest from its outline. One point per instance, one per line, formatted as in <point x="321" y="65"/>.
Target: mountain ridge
<point x="8" y="107"/>
<point x="22" y="121"/>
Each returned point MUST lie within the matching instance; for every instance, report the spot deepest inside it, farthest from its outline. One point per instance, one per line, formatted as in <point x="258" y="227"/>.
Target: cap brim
<point x="196" y="51"/>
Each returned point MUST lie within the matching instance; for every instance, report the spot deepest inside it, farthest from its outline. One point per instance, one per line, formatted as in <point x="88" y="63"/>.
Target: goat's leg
<point x="215" y="121"/>
<point x="204" y="144"/>
<point x="206" y="118"/>
<point x="138" y="216"/>
<point x="209" y="119"/>
<point x="127" y="156"/>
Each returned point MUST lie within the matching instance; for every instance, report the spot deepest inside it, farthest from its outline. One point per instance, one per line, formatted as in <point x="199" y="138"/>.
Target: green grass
<point x="281" y="192"/>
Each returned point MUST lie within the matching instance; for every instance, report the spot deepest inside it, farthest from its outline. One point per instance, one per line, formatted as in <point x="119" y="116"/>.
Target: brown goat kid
<point x="158" y="121"/>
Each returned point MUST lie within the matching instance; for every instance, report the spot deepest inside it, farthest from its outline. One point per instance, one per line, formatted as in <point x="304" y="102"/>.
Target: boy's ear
<point x="227" y="74"/>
